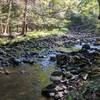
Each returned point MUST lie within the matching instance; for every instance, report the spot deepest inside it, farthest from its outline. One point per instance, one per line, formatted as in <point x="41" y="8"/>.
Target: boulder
<point x="86" y="47"/>
<point x="2" y="52"/>
<point x="56" y="76"/>
<point x="62" y="59"/>
<point x="97" y="42"/>
<point x="60" y="87"/>
<point x="52" y="58"/>
<point x="49" y="91"/>
<point x="15" y="61"/>
<point x="21" y="60"/>
<point x="69" y="44"/>
<point x="56" y="91"/>
<point x="67" y="74"/>
<point x="61" y="91"/>
<point x="28" y="60"/>
<point x="59" y="95"/>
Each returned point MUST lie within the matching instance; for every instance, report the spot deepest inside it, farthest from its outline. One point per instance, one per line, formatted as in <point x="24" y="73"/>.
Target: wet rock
<point x="70" y="88"/>
<point x="21" y="60"/>
<point x="84" y="76"/>
<point x="74" y="72"/>
<point x="61" y="91"/>
<point x="67" y="74"/>
<point x="33" y="53"/>
<point x="63" y="67"/>
<point x="23" y="71"/>
<point x="94" y="53"/>
<point x="16" y="61"/>
<point x="56" y="76"/>
<point x="85" y="47"/>
<point x="91" y="51"/>
<point x="55" y="90"/>
<point x="41" y="56"/>
<point x="28" y="60"/>
<point x="3" y="70"/>
<point x="2" y="52"/>
<point x="52" y="58"/>
<point x="49" y="91"/>
<point x="97" y="42"/>
<point x="60" y="87"/>
<point x="97" y="92"/>
<point x="59" y="95"/>
<point x="62" y="59"/>
<point x="69" y="44"/>
<point x="7" y="72"/>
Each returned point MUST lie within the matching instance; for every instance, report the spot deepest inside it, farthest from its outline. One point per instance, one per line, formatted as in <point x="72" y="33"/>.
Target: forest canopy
<point x="28" y="15"/>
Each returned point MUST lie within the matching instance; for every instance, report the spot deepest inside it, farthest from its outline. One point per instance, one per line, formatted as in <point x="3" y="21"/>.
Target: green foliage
<point x="69" y="97"/>
<point x="84" y="2"/>
<point x="64" y="29"/>
<point x="84" y="16"/>
<point x="59" y="13"/>
<point x="14" y="10"/>
<point x="86" y="92"/>
<point x="31" y="35"/>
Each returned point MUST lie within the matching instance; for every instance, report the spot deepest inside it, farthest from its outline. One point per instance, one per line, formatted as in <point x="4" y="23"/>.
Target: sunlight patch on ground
<point x="31" y="35"/>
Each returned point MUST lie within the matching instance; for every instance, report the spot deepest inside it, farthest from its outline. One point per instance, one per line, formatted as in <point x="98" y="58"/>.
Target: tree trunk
<point x="8" y="19"/>
<point x="17" y="28"/>
<point x="99" y="9"/>
<point x="1" y="24"/>
<point x="24" y="18"/>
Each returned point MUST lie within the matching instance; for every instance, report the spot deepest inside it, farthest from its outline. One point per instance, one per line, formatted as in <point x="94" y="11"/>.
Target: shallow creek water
<point x="25" y="82"/>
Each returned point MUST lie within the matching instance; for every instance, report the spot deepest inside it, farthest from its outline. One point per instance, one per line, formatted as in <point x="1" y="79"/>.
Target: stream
<point x="25" y="82"/>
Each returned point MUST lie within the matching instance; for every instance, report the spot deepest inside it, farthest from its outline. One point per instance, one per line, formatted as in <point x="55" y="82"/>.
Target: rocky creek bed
<point x="25" y="81"/>
<point x="25" y="51"/>
<point x="76" y="76"/>
<point x="73" y="71"/>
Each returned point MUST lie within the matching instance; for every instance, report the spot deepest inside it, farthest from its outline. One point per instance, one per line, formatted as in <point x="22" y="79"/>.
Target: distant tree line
<point x="21" y="16"/>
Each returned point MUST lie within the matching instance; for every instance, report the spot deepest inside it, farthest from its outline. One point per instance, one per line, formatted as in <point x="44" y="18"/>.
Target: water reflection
<point x="24" y="86"/>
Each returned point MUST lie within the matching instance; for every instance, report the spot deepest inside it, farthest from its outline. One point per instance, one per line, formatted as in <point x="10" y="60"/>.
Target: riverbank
<point x="24" y="51"/>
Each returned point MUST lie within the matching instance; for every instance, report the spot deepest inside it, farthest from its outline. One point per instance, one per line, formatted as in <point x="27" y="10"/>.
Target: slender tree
<point x="1" y="26"/>
<point x="24" y="25"/>
<point x="8" y="18"/>
<point x="99" y="9"/>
